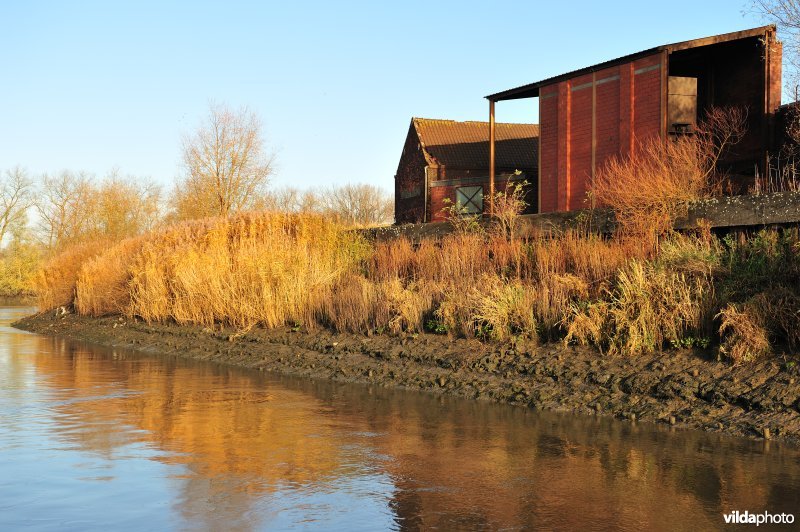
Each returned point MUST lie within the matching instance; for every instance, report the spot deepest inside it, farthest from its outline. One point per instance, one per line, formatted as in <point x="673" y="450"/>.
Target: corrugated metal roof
<point x="531" y="90"/>
<point x="465" y="145"/>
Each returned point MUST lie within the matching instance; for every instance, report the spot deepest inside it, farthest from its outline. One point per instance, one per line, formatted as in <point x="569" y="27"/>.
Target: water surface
<point x="96" y="439"/>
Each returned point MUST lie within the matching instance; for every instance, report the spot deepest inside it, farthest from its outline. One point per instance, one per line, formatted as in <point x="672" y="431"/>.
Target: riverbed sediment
<point x="684" y="388"/>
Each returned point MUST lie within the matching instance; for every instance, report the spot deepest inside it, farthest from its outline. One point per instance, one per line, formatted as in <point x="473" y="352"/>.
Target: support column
<point x="491" y="158"/>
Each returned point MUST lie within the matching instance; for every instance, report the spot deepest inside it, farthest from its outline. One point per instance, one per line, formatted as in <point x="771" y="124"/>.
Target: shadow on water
<point x="95" y="437"/>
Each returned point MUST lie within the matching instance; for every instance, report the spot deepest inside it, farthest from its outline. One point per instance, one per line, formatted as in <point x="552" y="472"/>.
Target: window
<point x="413" y="192"/>
<point x="470" y="199"/>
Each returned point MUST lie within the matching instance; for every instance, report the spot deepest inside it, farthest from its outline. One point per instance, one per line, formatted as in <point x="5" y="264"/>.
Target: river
<point x="93" y="438"/>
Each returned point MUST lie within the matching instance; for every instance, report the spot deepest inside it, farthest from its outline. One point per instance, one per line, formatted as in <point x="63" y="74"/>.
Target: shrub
<point x="654" y="185"/>
<point x="507" y="206"/>
<point x="19" y="266"/>
<point x="463" y="221"/>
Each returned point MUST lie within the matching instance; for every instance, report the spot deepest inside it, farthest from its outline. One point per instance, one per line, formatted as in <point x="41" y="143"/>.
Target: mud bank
<point x="684" y="388"/>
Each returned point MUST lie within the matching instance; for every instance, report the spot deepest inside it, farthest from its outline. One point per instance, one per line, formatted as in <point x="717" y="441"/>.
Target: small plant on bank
<point x="463" y="221"/>
<point x="689" y="342"/>
<point x="508" y="206"/>
<point x="435" y="326"/>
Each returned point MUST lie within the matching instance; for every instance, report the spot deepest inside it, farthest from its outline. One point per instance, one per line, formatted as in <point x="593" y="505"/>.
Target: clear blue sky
<point x="93" y="85"/>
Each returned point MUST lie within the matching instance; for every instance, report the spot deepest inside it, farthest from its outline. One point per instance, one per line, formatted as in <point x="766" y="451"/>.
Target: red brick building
<point x="590" y="114"/>
<point x="448" y="159"/>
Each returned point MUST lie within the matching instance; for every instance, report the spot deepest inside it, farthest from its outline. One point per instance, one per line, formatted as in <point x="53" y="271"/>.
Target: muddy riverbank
<point x="685" y="388"/>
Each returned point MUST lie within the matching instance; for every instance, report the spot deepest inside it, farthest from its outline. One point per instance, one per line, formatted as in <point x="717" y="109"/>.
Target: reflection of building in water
<point x="469" y="464"/>
<point x="245" y="442"/>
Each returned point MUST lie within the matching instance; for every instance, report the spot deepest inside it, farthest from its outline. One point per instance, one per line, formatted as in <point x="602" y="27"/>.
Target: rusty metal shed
<point x="590" y="114"/>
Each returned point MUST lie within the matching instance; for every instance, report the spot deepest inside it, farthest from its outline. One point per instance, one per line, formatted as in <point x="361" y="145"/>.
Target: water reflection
<point x="127" y="439"/>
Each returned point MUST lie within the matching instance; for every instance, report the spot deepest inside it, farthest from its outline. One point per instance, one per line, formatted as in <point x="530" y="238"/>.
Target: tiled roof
<point x="465" y="145"/>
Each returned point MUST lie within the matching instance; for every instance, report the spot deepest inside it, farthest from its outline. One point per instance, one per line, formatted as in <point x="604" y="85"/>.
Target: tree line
<point x="226" y="168"/>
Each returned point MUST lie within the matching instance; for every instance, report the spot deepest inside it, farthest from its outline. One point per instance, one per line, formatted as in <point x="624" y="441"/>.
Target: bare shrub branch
<point x="654" y="185"/>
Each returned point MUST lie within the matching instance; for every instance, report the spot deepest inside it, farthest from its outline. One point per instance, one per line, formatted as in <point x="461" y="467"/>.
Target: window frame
<point x="476" y="209"/>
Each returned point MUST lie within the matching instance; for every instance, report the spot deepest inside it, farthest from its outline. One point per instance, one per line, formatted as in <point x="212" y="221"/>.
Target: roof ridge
<point x="451" y="121"/>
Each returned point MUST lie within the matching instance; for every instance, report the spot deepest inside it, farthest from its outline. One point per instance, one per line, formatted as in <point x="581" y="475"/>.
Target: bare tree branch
<point x="226" y="166"/>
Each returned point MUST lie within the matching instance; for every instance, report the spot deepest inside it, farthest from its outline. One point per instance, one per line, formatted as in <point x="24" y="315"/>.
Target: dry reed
<point x="103" y="281"/>
<point x="55" y="282"/>
<point x="273" y="270"/>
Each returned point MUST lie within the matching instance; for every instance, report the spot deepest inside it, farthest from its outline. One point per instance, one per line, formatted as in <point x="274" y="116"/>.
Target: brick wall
<point x="611" y="115"/>
<point x="448" y="180"/>
<point x="647" y="97"/>
<point x="409" y="182"/>
<point x="586" y="119"/>
<point x="580" y="136"/>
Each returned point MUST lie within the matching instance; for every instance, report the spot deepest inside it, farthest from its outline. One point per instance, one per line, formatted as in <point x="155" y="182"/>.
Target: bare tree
<point x="65" y="205"/>
<point x="73" y="208"/>
<point x="284" y="199"/>
<point x="359" y="205"/>
<point x="290" y="199"/>
<point x="227" y="168"/>
<point x="15" y="198"/>
<point x="352" y="204"/>
<point x="126" y="206"/>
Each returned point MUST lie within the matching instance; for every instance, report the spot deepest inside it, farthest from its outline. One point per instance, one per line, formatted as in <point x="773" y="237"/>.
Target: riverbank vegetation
<point x="300" y="270"/>
<point x="644" y="289"/>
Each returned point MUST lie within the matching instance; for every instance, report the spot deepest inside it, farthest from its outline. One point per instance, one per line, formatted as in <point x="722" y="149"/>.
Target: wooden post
<point x="491" y="157"/>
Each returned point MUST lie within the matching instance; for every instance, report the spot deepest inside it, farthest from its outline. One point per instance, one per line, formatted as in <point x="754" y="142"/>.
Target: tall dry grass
<point x="266" y="269"/>
<point x="744" y="333"/>
<point x="248" y="270"/>
<point x="272" y="270"/>
<point x="668" y="299"/>
<point x="103" y="283"/>
<point x="56" y="280"/>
